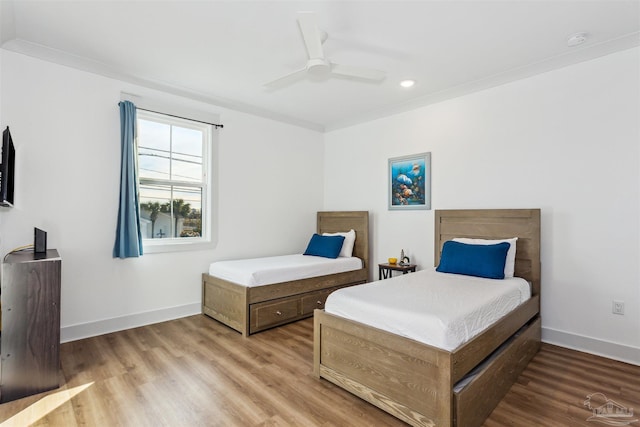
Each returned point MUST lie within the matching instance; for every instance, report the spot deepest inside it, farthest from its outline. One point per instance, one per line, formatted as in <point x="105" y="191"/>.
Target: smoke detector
<point x="576" y="39"/>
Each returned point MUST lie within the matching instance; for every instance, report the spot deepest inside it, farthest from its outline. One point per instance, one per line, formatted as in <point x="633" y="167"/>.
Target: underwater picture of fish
<point x="409" y="182"/>
<point x="402" y="179"/>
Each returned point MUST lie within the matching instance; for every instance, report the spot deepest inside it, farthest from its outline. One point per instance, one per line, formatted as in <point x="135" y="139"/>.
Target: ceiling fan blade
<point x="310" y="34"/>
<point x="287" y="79"/>
<point x="357" y="72"/>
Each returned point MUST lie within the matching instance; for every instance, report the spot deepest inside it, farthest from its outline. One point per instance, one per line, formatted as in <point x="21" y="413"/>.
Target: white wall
<point x="3" y="15"/>
<point x="65" y="124"/>
<point x="1" y="118"/>
<point x="567" y="142"/>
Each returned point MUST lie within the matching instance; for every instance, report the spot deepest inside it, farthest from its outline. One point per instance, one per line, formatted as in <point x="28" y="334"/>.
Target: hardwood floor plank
<point x="554" y="386"/>
<point x="196" y="372"/>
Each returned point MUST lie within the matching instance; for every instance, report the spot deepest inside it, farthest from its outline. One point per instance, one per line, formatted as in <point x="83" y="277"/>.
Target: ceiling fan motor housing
<point x="318" y="67"/>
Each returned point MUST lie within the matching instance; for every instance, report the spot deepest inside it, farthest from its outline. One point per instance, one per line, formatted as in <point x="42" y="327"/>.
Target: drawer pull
<point x="319" y="302"/>
<point x="278" y="313"/>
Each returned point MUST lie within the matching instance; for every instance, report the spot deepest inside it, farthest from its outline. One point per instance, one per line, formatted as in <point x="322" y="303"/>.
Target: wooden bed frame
<point x="414" y="381"/>
<point x="252" y="309"/>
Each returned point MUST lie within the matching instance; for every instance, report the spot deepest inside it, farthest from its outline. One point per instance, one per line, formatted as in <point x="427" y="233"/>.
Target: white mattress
<point x="268" y="270"/>
<point x="439" y="309"/>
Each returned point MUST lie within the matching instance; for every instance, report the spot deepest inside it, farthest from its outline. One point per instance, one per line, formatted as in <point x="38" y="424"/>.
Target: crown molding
<point x="59" y="57"/>
<point x="574" y="56"/>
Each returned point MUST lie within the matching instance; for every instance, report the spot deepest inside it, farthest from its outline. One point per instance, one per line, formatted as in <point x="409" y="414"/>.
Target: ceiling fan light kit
<point x="318" y="66"/>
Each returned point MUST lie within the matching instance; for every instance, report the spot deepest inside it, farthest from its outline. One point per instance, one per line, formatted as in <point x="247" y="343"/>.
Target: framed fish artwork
<point x="410" y="182"/>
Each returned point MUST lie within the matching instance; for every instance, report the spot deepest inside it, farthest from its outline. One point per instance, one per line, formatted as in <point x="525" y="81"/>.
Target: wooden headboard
<point x="496" y="224"/>
<point x="333" y="222"/>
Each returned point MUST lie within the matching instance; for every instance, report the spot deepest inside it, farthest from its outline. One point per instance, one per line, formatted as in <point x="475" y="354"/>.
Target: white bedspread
<point x="439" y="309"/>
<point x="268" y="270"/>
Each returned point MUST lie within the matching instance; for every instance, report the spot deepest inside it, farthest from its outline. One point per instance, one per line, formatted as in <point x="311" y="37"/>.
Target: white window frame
<point x="206" y="240"/>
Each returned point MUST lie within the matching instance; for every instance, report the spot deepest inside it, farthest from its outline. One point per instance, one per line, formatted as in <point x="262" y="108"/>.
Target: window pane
<point x="187" y="207"/>
<point x="186" y="159"/>
<point x="167" y="211"/>
<point x="154" y="145"/>
<point x="155" y="218"/>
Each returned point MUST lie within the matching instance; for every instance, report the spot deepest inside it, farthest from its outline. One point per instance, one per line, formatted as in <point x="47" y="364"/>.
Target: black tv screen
<point x="7" y="169"/>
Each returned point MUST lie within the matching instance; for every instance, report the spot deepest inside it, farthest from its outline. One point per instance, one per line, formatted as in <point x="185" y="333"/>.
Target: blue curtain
<point x="128" y="237"/>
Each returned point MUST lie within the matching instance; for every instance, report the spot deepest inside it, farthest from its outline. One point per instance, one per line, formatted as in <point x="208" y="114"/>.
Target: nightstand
<point x="385" y="270"/>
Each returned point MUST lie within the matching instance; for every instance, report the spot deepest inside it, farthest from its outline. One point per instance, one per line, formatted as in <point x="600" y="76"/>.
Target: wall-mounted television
<point x="7" y="169"/>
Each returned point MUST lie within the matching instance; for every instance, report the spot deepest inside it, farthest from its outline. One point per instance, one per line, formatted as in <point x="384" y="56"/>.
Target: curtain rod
<point x="216" y="125"/>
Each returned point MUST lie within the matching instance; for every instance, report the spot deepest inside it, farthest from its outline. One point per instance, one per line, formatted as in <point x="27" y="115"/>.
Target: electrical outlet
<point x="618" y="307"/>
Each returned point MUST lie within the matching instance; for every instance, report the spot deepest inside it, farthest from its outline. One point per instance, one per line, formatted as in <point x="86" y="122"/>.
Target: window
<point x="174" y="162"/>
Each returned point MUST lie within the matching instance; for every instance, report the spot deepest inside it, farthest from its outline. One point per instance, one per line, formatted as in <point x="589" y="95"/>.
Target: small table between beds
<point x="385" y="269"/>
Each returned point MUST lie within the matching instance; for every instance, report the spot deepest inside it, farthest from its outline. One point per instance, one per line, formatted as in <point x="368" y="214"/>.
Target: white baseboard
<point x="92" y="329"/>
<point x="621" y="352"/>
<point x="611" y="350"/>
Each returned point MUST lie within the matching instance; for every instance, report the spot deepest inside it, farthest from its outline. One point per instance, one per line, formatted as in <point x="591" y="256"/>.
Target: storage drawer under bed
<point x="269" y="314"/>
<point x="474" y="396"/>
<point x="315" y="300"/>
<point x="279" y="311"/>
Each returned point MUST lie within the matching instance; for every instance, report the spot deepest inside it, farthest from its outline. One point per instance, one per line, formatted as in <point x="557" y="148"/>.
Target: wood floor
<point x="197" y="372"/>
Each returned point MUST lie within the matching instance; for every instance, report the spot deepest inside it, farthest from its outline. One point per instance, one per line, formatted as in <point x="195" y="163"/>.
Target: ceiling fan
<point x="318" y="65"/>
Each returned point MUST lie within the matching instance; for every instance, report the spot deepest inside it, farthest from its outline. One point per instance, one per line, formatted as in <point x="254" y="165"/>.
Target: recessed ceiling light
<point x="576" y="39"/>
<point x="407" y="83"/>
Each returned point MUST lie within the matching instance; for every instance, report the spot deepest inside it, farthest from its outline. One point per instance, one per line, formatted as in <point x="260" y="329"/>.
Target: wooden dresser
<point x="30" y="336"/>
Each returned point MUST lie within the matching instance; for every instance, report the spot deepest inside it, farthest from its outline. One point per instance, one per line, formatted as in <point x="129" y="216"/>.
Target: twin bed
<point x="420" y="383"/>
<point x="253" y="302"/>
<point x="389" y="358"/>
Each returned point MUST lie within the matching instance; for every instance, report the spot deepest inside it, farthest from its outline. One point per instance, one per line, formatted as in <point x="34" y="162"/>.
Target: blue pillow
<point x="474" y="260"/>
<point x="325" y="246"/>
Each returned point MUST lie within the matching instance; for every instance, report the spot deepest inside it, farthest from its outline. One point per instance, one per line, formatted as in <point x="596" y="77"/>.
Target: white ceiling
<point x="224" y="51"/>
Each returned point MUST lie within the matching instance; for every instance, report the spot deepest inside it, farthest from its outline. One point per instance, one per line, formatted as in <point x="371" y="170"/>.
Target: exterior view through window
<point x="173" y="170"/>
